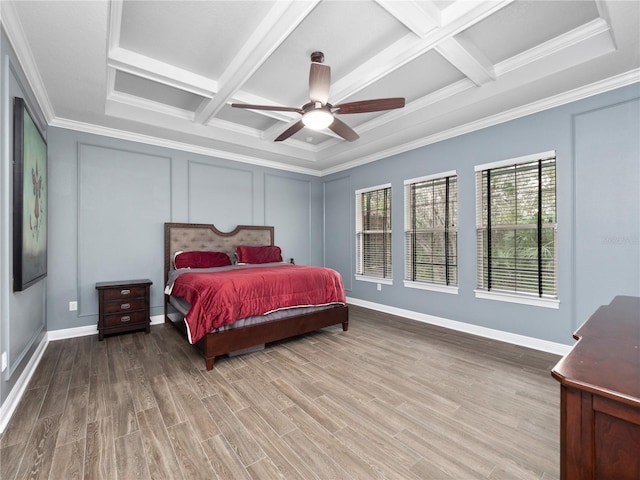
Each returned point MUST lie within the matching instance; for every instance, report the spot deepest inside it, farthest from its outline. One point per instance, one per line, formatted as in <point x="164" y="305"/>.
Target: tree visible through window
<point x="373" y="232"/>
<point x="430" y="229"/>
<point x="516" y="227"/>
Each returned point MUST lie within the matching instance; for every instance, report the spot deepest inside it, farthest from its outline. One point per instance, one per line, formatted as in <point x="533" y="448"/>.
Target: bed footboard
<point x="221" y="343"/>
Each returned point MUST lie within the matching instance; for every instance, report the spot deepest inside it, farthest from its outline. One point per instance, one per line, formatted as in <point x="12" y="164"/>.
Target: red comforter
<point x="221" y="298"/>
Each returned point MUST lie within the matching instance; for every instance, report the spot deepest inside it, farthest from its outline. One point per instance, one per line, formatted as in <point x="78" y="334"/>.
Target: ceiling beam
<point x="419" y="18"/>
<point x="409" y="47"/>
<point x="115" y="24"/>
<point x="278" y="24"/>
<point x="157" y="71"/>
<point x="466" y="57"/>
<point x="463" y="9"/>
<point x="586" y="41"/>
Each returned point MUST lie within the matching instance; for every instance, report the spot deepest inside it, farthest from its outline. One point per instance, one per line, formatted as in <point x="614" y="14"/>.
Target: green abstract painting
<point x="30" y="207"/>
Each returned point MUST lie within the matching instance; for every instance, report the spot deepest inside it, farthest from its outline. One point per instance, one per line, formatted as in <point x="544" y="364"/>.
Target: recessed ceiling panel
<point x="521" y="26"/>
<point x="156" y="92"/>
<point x="424" y="75"/>
<point x="198" y="36"/>
<point x="68" y="41"/>
<point x="347" y="32"/>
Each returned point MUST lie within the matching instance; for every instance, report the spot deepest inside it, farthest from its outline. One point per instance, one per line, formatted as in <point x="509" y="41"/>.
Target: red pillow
<point x="265" y="254"/>
<point x="201" y="259"/>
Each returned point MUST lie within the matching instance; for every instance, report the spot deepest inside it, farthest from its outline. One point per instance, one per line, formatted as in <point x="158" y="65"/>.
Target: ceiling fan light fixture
<point x="317" y="119"/>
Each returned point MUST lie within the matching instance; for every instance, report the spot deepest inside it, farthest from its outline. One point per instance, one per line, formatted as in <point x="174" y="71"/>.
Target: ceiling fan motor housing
<point x="317" y="57"/>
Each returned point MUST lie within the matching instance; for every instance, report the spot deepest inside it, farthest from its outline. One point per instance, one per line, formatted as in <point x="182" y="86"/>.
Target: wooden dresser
<point x="123" y="306"/>
<point x="600" y="396"/>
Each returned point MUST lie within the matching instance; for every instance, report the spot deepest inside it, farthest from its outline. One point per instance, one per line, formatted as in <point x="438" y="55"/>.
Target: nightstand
<point x="123" y="306"/>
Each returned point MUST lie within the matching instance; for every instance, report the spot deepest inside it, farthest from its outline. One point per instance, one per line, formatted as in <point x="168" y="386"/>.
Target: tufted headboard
<point x="201" y="236"/>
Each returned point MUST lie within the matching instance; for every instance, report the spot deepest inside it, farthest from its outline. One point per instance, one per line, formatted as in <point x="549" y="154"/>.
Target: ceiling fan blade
<point x="319" y="81"/>
<point x="267" y="107"/>
<point x="365" y="106"/>
<point x="344" y="130"/>
<point x="290" y="131"/>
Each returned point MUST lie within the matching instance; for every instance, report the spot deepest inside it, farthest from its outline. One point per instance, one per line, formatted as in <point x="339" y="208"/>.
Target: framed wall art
<point x="30" y="208"/>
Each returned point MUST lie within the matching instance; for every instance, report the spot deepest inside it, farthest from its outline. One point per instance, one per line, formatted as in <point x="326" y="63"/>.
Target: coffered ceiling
<point x="166" y="72"/>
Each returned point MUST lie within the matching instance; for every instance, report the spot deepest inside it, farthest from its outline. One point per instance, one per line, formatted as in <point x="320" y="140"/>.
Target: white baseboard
<point x="89" y="330"/>
<point x="513" y="338"/>
<point x="9" y="406"/>
<point x="15" y="395"/>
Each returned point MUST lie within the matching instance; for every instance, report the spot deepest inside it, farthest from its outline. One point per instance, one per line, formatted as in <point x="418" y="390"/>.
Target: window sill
<point x="384" y="281"/>
<point x="431" y="287"/>
<point x="515" y="298"/>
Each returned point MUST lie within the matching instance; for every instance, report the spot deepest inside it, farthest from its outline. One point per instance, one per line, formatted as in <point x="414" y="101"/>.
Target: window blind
<point x="430" y="231"/>
<point x="517" y="228"/>
<point x="373" y="233"/>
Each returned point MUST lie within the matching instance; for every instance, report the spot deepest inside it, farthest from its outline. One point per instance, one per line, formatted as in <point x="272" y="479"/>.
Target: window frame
<point x="423" y="284"/>
<point x="359" y="230"/>
<point x="547" y="300"/>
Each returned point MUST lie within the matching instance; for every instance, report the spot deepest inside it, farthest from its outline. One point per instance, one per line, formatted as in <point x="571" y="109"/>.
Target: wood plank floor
<point x="389" y="399"/>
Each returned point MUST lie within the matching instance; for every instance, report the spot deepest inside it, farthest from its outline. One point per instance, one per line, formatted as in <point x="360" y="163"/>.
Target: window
<point x="517" y="229"/>
<point x="373" y="233"/>
<point x="431" y="216"/>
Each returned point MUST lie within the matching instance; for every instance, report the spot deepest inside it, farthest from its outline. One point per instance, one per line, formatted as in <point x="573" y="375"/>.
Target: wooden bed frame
<point x="197" y="236"/>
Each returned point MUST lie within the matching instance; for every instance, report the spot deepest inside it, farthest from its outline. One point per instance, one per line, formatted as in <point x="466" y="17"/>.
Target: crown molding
<point x="618" y="81"/>
<point x="17" y="38"/>
<point x="174" y="145"/>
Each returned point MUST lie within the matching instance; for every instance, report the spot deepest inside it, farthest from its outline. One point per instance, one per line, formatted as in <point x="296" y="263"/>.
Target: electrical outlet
<point x="4" y="361"/>
<point x="73" y="306"/>
<point x="379" y="287"/>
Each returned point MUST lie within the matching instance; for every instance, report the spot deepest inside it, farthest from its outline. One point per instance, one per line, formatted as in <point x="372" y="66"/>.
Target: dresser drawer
<point x="124" y="293"/>
<point x="125" y="319"/>
<point x="124" y="305"/>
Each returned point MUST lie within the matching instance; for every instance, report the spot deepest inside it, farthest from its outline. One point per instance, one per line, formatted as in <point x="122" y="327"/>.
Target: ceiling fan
<point x="318" y="113"/>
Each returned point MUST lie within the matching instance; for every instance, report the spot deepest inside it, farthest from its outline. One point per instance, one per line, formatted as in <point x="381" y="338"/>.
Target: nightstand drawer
<point x="124" y="305"/>
<point x="124" y="293"/>
<point x="125" y="319"/>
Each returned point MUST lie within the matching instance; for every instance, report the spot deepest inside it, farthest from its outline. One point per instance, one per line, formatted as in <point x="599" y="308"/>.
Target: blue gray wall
<point x="597" y="142"/>
<point x="22" y="314"/>
<point x="109" y="199"/>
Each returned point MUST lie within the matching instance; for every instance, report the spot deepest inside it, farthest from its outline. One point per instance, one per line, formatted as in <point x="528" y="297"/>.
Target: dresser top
<point x="606" y="358"/>
<point x="122" y="283"/>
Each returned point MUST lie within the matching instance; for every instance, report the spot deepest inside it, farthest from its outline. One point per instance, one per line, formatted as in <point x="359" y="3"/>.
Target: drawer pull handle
<point x="125" y="306"/>
<point x="125" y="318"/>
<point x="125" y="292"/>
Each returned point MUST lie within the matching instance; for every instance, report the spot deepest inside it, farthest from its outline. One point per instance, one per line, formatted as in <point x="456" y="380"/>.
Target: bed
<point x="247" y="333"/>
